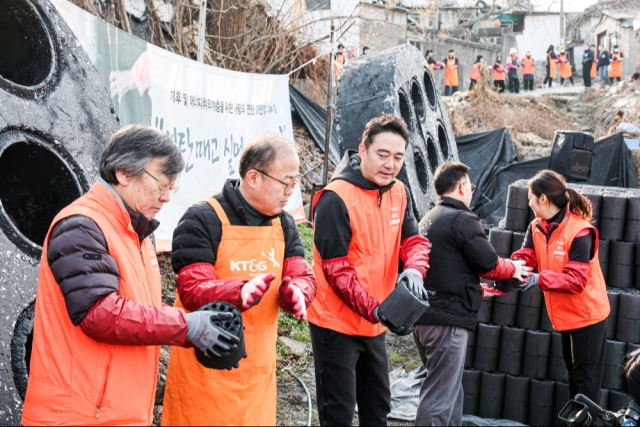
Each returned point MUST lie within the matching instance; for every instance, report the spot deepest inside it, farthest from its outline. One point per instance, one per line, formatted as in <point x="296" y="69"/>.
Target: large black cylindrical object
<point x="604" y="398"/>
<point x="402" y="308"/>
<point x="233" y="326"/>
<point x="516" y="399"/>
<point x="505" y="309"/>
<point x="545" y="321"/>
<point x="631" y="347"/>
<point x="632" y="221"/>
<point x="471" y="350"/>
<point x="628" y="327"/>
<point x="621" y="260"/>
<point x="536" y="354"/>
<point x="55" y="119"/>
<point x="501" y="241"/>
<point x="557" y="370"/>
<point x="487" y="347"/>
<point x="541" y="403"/>
<point x="516" y="219"/>
<point x="398" y="81"/>
<point x="486" y="309"/>
<point x="612" y="216"/>
<point x="562" y="396"/>
<point x="529" y="308"/>
<point x="613" y="377"/>
<point x="471" y="381"/>
<point x="492" y="395"/>
<point x="612" y="320"/>
<point x="604" y="247"/>
<point x="517" y="240"/>
<point x="636" y="269"/>
<point x="511" y="350"/>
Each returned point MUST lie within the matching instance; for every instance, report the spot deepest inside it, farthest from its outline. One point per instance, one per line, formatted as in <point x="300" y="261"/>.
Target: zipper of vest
<point x="97" y="412"/>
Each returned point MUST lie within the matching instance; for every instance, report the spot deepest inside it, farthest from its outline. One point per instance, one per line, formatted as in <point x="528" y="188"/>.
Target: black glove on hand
<point x="401" y="331"/>
<point x="204" y="335"/>
<point x="413" y="279"/>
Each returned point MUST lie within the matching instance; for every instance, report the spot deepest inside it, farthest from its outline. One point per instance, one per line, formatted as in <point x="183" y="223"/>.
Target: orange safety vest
<point x="73" y="379"/>
<point x="195" y="395"/>
<point x="374" y="251"/>
<point x="594" y="69"/>
<point x="552" y="66"/>
<point x="615" y="70"/>
<point x="339" y="64"/>
<point x="565" y="68"/>
<point x="450" y="76"/>
<point x="569" y="312"/>
<point x="528" y="66"/>
<point x="498" y="77"/>
<point x="475" y="72"/>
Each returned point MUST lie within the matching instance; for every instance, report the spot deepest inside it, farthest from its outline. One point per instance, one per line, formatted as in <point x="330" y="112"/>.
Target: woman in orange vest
<point x="528" y="70"/>
<point x="475" y="71"/>
<point x="339" y="61"/>
<point x="551" y="66"/>
<point x="565" y="66"/>
<point x="615" y="70"/>
<point x="99" y="319"/>
<point x="498" y="74"/>
<point x="433" y="64"/>
<point x="450" y="74"/>
<point x="564" y="246"/>
<point x="242" y="232"/>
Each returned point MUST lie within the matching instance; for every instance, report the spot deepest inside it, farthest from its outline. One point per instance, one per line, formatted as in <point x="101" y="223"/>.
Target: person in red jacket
<point x="564" y="246"/>
<point x="498" y="72"/>
<point x="363" y="228"/>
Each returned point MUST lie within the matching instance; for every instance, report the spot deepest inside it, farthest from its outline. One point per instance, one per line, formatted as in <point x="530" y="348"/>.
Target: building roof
<point x="629" y="6"/>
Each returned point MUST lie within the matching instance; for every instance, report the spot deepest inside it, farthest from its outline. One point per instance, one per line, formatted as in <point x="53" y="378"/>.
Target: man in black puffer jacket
<point x="460" y="255"/>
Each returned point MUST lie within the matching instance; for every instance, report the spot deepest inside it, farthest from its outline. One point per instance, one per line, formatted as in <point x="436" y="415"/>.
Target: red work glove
<point x="491" y="291"/>
<point x="291" y="299"/>
<point x="455" y="67"/>
<point x="253" y="291"/>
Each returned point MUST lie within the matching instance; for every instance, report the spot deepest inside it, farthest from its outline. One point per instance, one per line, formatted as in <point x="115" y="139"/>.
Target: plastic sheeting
<point x="405" y="393"/>
<point x="491" y="156"/>
<point x="314" y="118"/>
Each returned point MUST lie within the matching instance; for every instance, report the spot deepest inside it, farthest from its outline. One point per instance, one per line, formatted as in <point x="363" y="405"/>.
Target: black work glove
<point x="401" y="331"/>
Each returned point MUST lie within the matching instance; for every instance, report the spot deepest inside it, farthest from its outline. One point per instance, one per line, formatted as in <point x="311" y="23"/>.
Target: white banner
<point x="210" y="113"/>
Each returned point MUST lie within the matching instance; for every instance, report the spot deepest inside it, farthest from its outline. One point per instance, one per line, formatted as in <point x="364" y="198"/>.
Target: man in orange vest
<point x="220" y="248"/>
<point x="528" y="71"/>
<point x="450" y="74"/>
<point x="615" y="71"/>
<point x="565" y="66"/>
<point x="363" y="228"/>
<point x="99" y="319"/>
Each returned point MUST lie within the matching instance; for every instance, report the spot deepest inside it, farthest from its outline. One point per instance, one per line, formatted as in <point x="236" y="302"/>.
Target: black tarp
<point x="314" y="118"/>
<point x="488" y="156"/>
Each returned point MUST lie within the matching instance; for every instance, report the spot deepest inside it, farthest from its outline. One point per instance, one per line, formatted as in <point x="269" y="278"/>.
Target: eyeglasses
<point x="162" y="186"/>
<point x="287" y="186"/>
<point x="473" y="187"/>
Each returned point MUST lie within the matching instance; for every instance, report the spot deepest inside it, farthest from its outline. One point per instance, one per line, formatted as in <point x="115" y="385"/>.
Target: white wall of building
<point x="539" y="32"/>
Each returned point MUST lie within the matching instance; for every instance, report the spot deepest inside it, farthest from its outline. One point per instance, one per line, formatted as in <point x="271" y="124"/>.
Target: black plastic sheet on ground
<point x="490" y="156"/>
<point x="314" y="118"/>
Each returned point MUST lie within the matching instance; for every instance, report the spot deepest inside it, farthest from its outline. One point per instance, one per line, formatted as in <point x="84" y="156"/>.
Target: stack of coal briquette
<point x="514" y="367"/>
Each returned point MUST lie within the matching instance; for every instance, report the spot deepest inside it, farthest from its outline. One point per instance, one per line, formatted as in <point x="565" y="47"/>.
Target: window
<point x="318" y="4"/>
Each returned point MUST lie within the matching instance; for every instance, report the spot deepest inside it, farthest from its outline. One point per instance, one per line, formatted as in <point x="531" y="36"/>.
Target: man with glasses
<point x="363" y="228"/>
<point x="462" y="254"/>
<point x="231" y="248"/>
<point x="99" y="319"/>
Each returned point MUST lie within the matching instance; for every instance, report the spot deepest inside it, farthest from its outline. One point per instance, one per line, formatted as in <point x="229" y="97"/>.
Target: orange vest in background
<point x="73" y="379"/>
<point x="450" y="76"/>
<point x="374" y="251"/>
<point x="552" y="66"/>
<point x="527" y="66"/>
<point x="565" y="68"/>
<point x="246" y="396"/>
<point x="475" y="71"/>
<point x="498" y="77"/>
<point x="615" y="69"/>
<point x="594" y="68"/>
<point x="569" y="312"/>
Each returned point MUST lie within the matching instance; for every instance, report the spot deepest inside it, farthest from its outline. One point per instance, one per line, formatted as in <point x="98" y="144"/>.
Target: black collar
<point x="236" y="204"/>
<point x="454" y="203"/>
<point x="142" y="226"/>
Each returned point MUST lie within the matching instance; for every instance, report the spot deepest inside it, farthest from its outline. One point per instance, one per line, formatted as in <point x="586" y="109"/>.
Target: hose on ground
<point x="306" y="390"/>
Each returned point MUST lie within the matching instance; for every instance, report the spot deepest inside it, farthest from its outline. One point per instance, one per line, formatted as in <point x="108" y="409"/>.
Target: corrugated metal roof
<point x="613" y="5"/>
